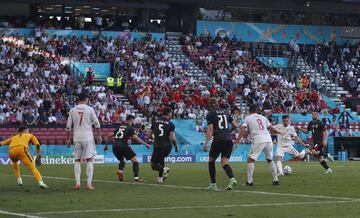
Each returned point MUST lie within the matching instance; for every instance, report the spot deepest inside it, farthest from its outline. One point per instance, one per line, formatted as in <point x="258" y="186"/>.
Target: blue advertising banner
<point x="16" y="31"/>
<point x="59" y="159"/>
<point x="173" y="159"/>
<point x="71" y="33"/>
<point x="132" y="35"/>
<point x="101" y="70"/>
<point x="274" y="33"/>
<point x="4" y="160"/>
<point x="80" y="33"/>
<point x="60" y="154"/>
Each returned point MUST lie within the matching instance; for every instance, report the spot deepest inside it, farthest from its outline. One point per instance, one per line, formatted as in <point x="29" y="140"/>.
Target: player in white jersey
<point x="258" y="125"/>
<point x="81" y="118"/>
<point x="286" y="142"/>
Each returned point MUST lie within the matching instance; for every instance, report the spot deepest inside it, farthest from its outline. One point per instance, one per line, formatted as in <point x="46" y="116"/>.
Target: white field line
<point x="201" y="188"/>
<point x="18" y="214"/>
<point x="194" y="207"/>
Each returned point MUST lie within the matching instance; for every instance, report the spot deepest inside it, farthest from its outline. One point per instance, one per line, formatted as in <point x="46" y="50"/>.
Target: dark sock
<point x="121" y="165"/>
<point x="324" y="164"/>
<point x="212" y="172"/>
<point x="161" y="170"/>
<point x="158" y="167"/>
<point x="228" y="171"/>
<point x="136" y="169"/>
<point x="162" y="165"/>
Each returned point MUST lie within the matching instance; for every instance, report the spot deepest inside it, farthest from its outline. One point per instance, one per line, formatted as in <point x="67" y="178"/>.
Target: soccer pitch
<point x="308" y="192"/>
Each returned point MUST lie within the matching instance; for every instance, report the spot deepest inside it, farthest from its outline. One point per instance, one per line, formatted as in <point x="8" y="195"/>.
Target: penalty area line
<point x="3" y="212"/>
<point x="201" y="188"/>
<point x="194" y="207"/>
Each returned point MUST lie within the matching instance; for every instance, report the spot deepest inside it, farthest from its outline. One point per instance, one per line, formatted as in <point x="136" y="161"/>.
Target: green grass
<point x="175" y="200"/>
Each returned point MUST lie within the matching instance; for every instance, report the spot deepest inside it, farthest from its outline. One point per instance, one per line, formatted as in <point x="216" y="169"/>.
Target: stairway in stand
<point x="125" y="101"/>
<point x="330" y="87"/>
<point x="179" y="57"/>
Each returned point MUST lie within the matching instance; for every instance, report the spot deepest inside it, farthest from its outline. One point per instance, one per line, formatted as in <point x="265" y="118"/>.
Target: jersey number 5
<point x="223" y="122"/>
<point x="81" y="117"/>
<point x="161" y="129"/>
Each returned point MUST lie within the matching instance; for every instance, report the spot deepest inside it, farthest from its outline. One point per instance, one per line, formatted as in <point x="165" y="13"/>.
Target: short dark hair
<point x="167" y="111"/>
<point x="213" y="103"/>
<point x="130" y="117"/>
<point x="253" y="108"/>
<point x="154" y="114"/>
<point x="285" y="117"/>
<point x="83" y="96"/>
<point x="22" y="128"/>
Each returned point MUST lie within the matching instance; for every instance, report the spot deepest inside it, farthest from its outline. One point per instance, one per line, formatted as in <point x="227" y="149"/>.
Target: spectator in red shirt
<point x="231" y="98"/>
<point x="90" y="76"/>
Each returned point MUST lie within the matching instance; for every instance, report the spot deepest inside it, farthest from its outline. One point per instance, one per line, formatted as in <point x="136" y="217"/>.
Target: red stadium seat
<point x="60" y="142"/>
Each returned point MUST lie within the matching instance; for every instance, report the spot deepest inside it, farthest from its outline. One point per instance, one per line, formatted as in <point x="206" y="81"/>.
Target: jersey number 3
<point x="223" y="122"/>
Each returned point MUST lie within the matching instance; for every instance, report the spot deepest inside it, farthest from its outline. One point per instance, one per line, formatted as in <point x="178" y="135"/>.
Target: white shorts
<point x="281" y="150"/>
<point x="257" y="148"/>
<point x="84" y="150"/>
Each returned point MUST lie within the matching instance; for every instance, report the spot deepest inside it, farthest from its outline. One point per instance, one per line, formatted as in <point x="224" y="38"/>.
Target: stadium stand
<point x="234" y="67"/>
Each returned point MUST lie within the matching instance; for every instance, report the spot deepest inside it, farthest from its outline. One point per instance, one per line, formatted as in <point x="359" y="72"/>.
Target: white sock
<point x="89" y="171"/>
<point x="19" y="180"/>
<point x="250" y="172"/>
<point x="302" y="154"/>
<point x="77" y="170"/>
<point x="273" y="171"/>
<point x="279" y="166"/>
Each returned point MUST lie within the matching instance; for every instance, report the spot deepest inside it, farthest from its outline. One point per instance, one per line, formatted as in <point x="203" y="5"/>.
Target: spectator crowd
<point x="339" y="62"/>
<point x="96" y="22"/>
<point x="236" y="69"/>
<point x="37" y="86"/>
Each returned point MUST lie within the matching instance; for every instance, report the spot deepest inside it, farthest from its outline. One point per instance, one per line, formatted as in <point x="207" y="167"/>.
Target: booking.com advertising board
<point x="61" y="155"/>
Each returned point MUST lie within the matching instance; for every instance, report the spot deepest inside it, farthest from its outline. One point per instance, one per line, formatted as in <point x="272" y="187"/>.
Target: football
<point x="287" y="170"/>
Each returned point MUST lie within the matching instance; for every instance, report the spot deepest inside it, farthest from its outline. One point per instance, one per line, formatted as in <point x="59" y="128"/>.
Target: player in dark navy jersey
<point x="163" y="131"/>
<point x="122" y="150"/>
<point x="319" y="136"/>
<point x="219" y="123"/>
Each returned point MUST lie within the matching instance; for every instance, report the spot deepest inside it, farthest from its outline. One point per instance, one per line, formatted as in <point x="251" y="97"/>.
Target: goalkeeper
<point x="19" y="150"/>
